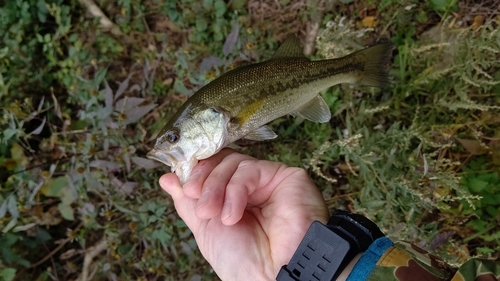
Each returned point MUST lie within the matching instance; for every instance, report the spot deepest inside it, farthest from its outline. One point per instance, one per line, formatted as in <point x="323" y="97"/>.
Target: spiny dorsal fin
<point x="261" y="133"/>
<point x="315" y="110"/>
<point x="290" y="48"/>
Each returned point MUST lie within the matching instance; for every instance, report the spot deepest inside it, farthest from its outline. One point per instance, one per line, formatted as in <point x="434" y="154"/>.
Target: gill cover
<point x="195" y="135"/>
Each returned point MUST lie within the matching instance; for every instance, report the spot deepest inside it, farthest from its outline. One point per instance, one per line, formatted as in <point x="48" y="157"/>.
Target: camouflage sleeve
<point x="402" y="261"/>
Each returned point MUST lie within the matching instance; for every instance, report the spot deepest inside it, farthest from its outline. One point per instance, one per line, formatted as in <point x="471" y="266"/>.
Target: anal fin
<point x="315" y="110"/>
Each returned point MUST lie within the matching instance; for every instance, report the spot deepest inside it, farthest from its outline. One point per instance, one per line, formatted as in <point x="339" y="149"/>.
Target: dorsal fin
<point x="290" y="48"/>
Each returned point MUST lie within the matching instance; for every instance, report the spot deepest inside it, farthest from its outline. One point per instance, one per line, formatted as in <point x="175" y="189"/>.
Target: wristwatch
<point x="327" y="249"/>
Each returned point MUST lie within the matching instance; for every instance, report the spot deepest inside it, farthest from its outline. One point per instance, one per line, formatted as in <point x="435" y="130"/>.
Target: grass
<point x="82" y="105"/>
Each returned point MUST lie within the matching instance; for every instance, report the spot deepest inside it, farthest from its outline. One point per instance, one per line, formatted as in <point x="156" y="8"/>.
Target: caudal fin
<point x="375" y="64"/>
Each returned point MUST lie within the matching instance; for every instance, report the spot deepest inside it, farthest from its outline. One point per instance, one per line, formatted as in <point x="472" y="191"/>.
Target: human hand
<point x="248" y="216"/>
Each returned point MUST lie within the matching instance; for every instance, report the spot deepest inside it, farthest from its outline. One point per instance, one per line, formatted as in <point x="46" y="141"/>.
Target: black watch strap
<point x="326" y="250"/>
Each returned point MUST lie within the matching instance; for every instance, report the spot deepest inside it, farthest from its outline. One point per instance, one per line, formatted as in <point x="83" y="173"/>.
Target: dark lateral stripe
<point x="309" y="77"/>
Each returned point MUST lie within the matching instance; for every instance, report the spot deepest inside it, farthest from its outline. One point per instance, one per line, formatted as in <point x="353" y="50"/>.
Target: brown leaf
<point x="472" y="146"/>
<point x="51" y="217"/>
<point x="370" y="21"/>
<point x="165" y="23"/>
<point x="495" y="151"/>
<point x="478" y="21"/>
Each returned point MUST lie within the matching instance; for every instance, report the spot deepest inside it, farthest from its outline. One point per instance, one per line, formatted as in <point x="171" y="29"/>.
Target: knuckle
<point x="299" y="172"/>
<point x="246" y="163"/>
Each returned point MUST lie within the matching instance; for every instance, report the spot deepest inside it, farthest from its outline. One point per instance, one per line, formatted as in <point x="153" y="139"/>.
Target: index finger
<point x="193" y="186"/>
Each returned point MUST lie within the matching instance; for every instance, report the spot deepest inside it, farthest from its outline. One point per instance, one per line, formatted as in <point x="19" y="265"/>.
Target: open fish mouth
<point x="162" y="157"/>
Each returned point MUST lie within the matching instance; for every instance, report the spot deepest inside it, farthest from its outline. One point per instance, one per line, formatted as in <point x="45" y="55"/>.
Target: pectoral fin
<point x="261" y="133"/>
<point x="315" y="110"/>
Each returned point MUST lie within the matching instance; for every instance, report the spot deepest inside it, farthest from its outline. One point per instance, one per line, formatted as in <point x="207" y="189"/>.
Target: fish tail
<point x="375" y="65"/>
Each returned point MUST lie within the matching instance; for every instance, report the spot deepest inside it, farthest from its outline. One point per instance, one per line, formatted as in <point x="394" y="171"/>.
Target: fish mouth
<point x="160" y="156"/>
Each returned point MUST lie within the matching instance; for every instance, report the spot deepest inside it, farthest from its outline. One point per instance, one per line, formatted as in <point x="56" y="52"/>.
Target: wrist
<point x="327" y="251"/>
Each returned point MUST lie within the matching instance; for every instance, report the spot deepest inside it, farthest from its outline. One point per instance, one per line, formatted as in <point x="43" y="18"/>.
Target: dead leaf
<point x="472" y="146"/>
<point x="51" y="217"/>
<point x="166" y="23"/>
<point x="370" y="21"/>
<point x="168" y="81"/>
<point x="477" y="22"/>
<point x="17" y="158"/>
<point x="495" y="151"/>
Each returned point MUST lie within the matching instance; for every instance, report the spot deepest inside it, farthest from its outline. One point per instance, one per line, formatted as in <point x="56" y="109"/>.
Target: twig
<point x="50" y="254"/>
<point x="55" y="250"/>
<point x="92" y="252"/>
<point x="104" y="21"/>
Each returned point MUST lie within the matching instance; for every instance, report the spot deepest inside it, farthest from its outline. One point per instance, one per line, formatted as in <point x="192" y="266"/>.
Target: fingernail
<point x="203" y="198"/>
<point x="226" y="210"/>
<point x="194" y="176"/>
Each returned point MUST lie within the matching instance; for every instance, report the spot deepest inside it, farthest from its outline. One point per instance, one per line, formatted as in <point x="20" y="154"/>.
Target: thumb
<point x="170" y="183"/>
<point x="184" y="205"/>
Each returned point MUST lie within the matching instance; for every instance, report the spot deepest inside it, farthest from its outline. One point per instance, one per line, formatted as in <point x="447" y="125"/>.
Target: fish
<point x="239" y="103"/>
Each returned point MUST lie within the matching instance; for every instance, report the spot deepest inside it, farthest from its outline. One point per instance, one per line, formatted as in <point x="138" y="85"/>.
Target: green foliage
<point x="213" y="26"/>
<point x="73" y="140"/>
<point x="443" y="6"/>
<point x="486" y="211"/>
<point x="395" y="150"/>
<point x="8" y="274"/>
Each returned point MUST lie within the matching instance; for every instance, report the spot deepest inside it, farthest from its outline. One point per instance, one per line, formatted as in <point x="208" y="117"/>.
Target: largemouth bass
<point x="240" y="103"/>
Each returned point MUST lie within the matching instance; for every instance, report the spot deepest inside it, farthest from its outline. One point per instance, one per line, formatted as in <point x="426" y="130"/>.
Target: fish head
<point x="197" y="133"/>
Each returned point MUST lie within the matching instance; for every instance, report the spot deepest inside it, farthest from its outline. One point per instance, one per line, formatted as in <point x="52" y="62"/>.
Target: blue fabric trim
<point x="369" y="259"/>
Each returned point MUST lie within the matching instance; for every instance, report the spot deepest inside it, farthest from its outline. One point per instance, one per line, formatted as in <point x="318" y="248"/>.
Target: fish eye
<point x="173" y="136"/>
